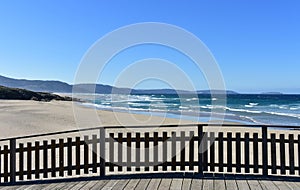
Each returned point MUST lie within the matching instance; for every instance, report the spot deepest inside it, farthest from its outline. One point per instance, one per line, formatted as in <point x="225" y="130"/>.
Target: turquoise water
<point x="253" y="109"/>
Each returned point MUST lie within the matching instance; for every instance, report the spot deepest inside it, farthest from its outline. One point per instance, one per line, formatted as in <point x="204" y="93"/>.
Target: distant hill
<point x="21" y="94"/>
<point x="62" y="87"/>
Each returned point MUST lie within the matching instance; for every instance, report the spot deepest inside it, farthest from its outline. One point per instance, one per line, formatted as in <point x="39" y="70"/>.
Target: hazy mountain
<point x="62" y="87"/>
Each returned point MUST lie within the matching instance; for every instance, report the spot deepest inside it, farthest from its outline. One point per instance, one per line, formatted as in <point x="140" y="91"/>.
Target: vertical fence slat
<point x="53" y="158"/>
<point x="138" y="152"/>
<point x="212" y="151"/>
<point x="273" y="153"/>
<point x="255" y="152"/>
<point x="155" y="154"/>
<point x="205" y="151"/>
<point x="29" y="160"/>
<point x="45" y="159"/>
<point x="70" y="164"/>
<point x="165" y="150"/>
<point x="37" y="159"/>
<point x="111" y="152"/>
<point x="191" y="152"/>
<point x="298" y="154"/>
<point x="221" y="154"/>
<point x="86" y="154"/>
<point x="200" y="150"/>
<point x="229" y="152"/>
<point x="265" y="150"/>
<point x="247" y="153"/>
<point x="102" y="151"/>
<point x="12" y="154"/>
<point x="120" y="151"/>
<point x="147" y="151"/>
<point x="94" y="153"/>
<point x="173" y="151"/>
<point x="291" y="154"/>
<point x="21" y="161"/>
<point x="5" y="168"/>
<point x="182" y="153"/>
<point x="77" y="142"/>
<point x="238" y="152"/>
<point x="61" y="157"/>
<point x="282" y="154"/>
<point x="129" y="151"/>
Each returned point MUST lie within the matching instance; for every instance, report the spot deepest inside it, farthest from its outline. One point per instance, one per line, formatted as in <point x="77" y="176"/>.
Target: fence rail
<point x="186" y="148"/>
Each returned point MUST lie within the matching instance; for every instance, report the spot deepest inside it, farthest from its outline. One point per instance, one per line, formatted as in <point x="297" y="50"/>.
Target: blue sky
<point x="256" y="43"/>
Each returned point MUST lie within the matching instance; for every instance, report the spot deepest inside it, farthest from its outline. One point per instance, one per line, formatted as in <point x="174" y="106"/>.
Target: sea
<point x="270" y="109"/>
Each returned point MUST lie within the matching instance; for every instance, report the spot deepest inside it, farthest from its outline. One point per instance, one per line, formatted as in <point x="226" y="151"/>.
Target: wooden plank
<point x="281" y="185"/>
<point x="95" y="185"/>
<point x="12" y="154"/>
<point x="132" y="184"/>
<point x="147" y="152"/>
<point x="109" y="185"/>
<point x="78" y="185"/>
<point x="138" y="152"/>
<point x="229" y="152"/>
<point x="173" y="153"/>
<point x="94" y="153"/>
<point x="291" y="154"/>
<point x="186" y="183"/>
<point x="120" y="184"/>
<point x="165" y="150"/>
<point x="120" y="151"/>
<point x="191" y="151"/>
<point x="212" y="151"/>
<point x="230" y="184"/>
<point x="298" y="154"/>
<point x="242" y="183"/>
<point x="208" y="184"/>
<point x="255" y="152"/>
<point x="37" y="159"/>
<point x="61" y="157"/>
<point x="21" y="161"/>
<point x="219" y="184"/>
<point x="176" y="184"/>
<point x="86" y="155"/>
<point x="155" y="154"/>
<point x="254" y="184"/>
<point x="196" y="183"/>
<point x="70" y="164"/>
<point x="238" y="152"/>
<point x="165" y="183"/>
<point x="154" y="183"/>
<point x="45" y="159"/>
<point x="247" y="153"/>
<point x="182" y="152"/>
<point x="268" y="185"/>
<point x="129" y="152"/>
<point x="5" y="156"/>
<point x="53" y="158"/>
<point x="220" y="150"/>
<point x="111" y="152"/>
<point x="282" y="154"/>
<point x="273" y="153"/>
<point x="77" y="146"/>
<point x="143" y="184"/>
<point x="29" y="160"/>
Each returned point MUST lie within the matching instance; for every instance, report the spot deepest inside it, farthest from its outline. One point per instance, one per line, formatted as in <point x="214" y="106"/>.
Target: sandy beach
<point x="20" y="118"/>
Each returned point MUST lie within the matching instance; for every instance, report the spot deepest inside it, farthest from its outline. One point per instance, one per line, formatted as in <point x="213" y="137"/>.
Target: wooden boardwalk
<point x="176" y="183"/>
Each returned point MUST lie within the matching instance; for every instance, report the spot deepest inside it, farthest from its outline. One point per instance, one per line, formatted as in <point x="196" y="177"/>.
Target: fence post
<point x="102" y="152"/>
<point x="200" y="150"/>
<point x="12" y="160"/>
<point x="265" y="149"/>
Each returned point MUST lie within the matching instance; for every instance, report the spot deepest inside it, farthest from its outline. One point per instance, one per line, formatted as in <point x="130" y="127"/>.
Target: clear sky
<point x="255" y="42"/>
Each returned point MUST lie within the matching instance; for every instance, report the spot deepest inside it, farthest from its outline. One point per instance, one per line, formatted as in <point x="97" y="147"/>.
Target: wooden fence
<point x="185" y="148"/>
